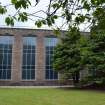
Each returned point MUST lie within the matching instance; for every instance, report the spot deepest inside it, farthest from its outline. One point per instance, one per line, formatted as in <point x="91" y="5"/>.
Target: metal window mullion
<point x="49" y="64"/>
<point x="50" y="58"/>
<point x="2" y="62"/>
<point x="35" y="61"/>
<point x="52" y="68"/>
<point x="31" y="64"/>
<point x="8" y="41"/>
<point x="7" y="61"/>
<point x="26" y="65"/>
<point x="6" y="64"/>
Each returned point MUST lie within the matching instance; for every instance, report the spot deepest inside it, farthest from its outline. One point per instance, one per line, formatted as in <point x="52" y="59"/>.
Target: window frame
<point x="35" y="55"/>
<point x="58" y="75"/>
<point x="7" y="54"/>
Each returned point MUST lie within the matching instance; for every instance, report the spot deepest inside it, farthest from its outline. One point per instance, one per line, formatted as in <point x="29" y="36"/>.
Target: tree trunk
<point x="75" y="77"/>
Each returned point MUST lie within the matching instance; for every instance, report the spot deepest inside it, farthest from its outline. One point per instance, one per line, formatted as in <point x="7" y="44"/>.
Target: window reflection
<point x="6" y="43"/>
<point x="50" y="43"/>
<point x="28" y="67"/>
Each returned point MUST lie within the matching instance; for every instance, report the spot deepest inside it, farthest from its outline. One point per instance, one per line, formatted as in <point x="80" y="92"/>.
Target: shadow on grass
<point x="93" y="87"/>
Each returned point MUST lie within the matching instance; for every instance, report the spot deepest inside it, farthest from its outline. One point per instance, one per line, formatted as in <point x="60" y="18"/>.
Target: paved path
<point x="65" y="86"/>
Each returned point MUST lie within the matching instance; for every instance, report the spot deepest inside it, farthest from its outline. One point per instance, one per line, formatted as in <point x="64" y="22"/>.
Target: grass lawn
<point x="51" y="97"/>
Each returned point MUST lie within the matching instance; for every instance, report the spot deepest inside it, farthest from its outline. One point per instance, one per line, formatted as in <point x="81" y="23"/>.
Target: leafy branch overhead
<point x="74" y="12"/>
<point x="18" y="16"/>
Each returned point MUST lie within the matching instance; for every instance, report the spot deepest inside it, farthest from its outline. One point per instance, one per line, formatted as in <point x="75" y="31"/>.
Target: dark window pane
<point x="47" y="49"/>
<point x="9" y="59"/>
<point x="24" y="74"/>
<point x="28" y="74"/>
<point x="10" y="46"/>
<point x="1" y="46"/>
<point x="4" y="67"/>
<point x="47" y="74"/>
<point x="51" y="48"/>
<point x="5" y="47"/>
<point x="1" y="58"/>
<point x="5" y="56"/>
<point x="24" y="67"/>
<point x="32" y="74"/>
<point x="28" y="51"/>
<point x="33" y="59"/>
<point x="33" y="51"/>
<point x="29" y="57"/>
<point x="29" y="47"/>
<point x="51" y="74"/>
<point x="24" y="47"/>
<point x="33" y="47"/>
<point x="47" y="67"/>
<point x="4" y="74"/>
<point x="55" y="75"/>
<point x="9" y="67"/>
<point x="50" y="43"/>
<point x="0" y="66"/>
<point x="24" y="59"/>
<point x="28" y="67"/>
<point x="10" y="51"/>
<point x="47" y="60"/>
<point x="8" y="74"/>
<point x="5" y="51"/>
<point x="32" y="67"/>
<point x="24" y="50"/>
<point x="0" y="74"/>
<point x="6" y="43"/>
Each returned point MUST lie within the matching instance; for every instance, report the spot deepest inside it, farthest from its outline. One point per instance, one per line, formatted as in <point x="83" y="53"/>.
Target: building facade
<point x="26" y="56"/>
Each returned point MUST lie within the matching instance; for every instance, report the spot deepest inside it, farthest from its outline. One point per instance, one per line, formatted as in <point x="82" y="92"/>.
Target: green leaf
<point x="21" y="3"/>
<point x="3" y="10"/>
<point x="52" y="19"/>
<point x="9" y="21"/>
<point x="86" y="5"/>
<point x="38" y="23"/>
<point x="49" y="21"/>
<point x="80" y="19"/>
<point x="13" y="1"/>
<point x="55" y="16"/>
<point x="55" y="5"/>
<point x="17" y="5"/>
<point x="23" y="17"/>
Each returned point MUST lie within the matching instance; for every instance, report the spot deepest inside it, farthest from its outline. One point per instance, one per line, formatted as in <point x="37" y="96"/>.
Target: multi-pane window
<point x="28" y="66"/>
<point x="50" y="43"/>
<point x="6" y="43"/>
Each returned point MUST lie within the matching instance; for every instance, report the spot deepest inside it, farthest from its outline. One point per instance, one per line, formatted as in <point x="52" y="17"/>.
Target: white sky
<point x="30" y="24"/>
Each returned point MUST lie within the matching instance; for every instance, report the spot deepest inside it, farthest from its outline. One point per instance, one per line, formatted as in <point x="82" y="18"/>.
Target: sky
<point x="42" y="5"/>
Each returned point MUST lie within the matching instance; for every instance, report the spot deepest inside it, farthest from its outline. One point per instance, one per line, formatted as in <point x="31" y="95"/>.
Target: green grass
<point x="50" y="97"/>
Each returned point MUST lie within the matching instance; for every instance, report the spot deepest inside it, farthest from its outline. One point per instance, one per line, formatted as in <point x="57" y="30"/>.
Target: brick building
<point x="25" y="57"/>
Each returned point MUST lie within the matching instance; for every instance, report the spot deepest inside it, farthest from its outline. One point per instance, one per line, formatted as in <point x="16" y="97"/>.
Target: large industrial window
<point x="50" y="43"/>
<point x="6" y="43"/>
<point x="28" y="66"/>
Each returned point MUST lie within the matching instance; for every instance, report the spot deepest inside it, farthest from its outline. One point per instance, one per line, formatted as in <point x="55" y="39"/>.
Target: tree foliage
<point x="91" y="49"/>
<point x="77" y="52"/>
<point x="74" y="12"/>
<point x="67" y="55"/>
